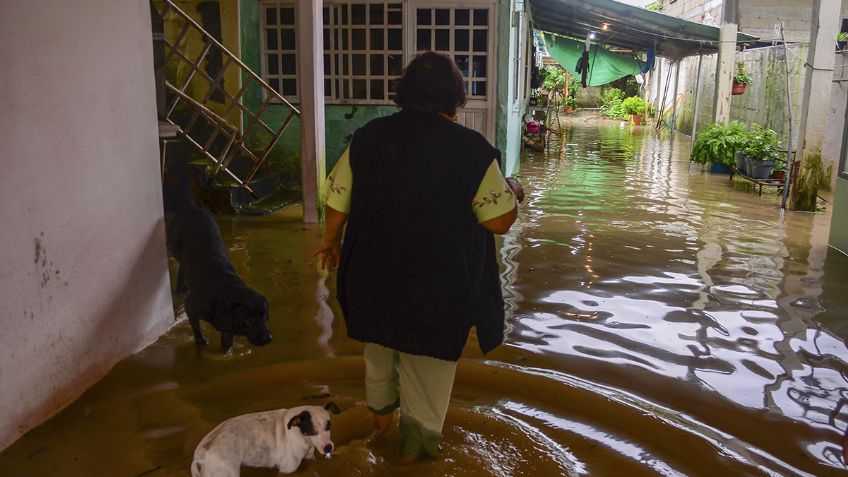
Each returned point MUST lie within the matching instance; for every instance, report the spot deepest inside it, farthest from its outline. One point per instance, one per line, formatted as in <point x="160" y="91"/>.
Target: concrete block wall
<point x="83" y="268"/>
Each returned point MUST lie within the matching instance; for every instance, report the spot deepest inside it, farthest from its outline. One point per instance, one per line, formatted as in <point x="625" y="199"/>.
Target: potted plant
<point x="841" y="39"/>
<point x="760" y="152"/>
<point x="570" y="104"/>
<point x="636" y="108"/>
<point x="741" y="80"/>
<point x="717" y="145"/>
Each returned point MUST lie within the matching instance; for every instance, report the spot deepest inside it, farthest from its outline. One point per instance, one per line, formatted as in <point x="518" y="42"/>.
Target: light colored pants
<point x="420" y="385"/>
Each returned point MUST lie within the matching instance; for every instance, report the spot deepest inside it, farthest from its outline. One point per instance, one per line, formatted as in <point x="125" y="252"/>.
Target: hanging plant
<point x="741" y="80"/>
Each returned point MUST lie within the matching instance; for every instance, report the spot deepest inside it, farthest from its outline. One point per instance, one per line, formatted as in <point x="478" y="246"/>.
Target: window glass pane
<point x="461" y="40"/>
<point x="271" y="16"/>
<point x="461" y="16"/>
<point x="289" y="63"/>
<point x="290" y="86"/>
<point x="442" y="16"/>
<point x="478" y="67"/>
<point x="443" y="40"/>
<point x="359" y="65"/>
<point x="480" y="40"/>
<point x="344" y="39"/>
<point x="326" y="64"/>
<point x="378" y="65"/>
<point x="424" y="16"/>
<point x="274" y="83"/>
<point x="273" y="65"/>
<point x="326" y="39"/>
<point x="345" y="64"/>
<point x="358" y="39"/>
<point x="271" y="39"/>
<point x="327" y="85"/>
<point x="357" y="14"/>
<point x="481" y="17"/>
<point x="376" y="11"/>
<point x="395" y="18"/>
<point x="345" y="89"/>
<point x="395" y="39"/>
<point x="423" y="42"/>
<point x="377" y="42"/>
<point x="395" y="65"/>
<point x="325" y="13"/>
<point x="377" y="89"/>
<point x="288" y="39"/>
<point x="344" y="9"/>
<point x="392" y="86"/>
<point x="360" y="89"/>
<point x="462" y="64"/>
<point x="478" y="88"/>
<point x="287" y="16"/>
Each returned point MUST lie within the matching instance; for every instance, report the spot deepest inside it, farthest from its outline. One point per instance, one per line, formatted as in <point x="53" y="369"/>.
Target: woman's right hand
<point x="330" y="251"/>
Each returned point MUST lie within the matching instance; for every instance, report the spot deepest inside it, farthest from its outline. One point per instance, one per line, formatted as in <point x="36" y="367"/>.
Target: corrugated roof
<point x="628" y="26"/>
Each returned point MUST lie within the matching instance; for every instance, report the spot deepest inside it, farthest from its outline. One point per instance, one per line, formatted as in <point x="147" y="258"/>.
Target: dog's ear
<point x="330" y="406"/>
<point x="302" y="420"/>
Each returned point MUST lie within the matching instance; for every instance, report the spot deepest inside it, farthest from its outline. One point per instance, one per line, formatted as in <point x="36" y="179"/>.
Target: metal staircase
<point x="209" y="118"/>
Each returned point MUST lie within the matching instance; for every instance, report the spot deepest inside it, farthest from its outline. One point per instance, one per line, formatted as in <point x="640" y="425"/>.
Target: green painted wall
<point x="839" y="219"/>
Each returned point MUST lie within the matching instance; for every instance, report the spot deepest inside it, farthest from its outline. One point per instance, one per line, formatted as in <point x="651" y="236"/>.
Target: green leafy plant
<point x="741" y="76"/>
<point x="761" y="143"/>
<point x="718" y="143"/>
<point x="842" y="36"/>
<point x="611" y="104"/>
<point x="654" y="6"/>
<point x="553" y="78"/>
<point x="635" y="105"/>
<point x="570" y="102"/>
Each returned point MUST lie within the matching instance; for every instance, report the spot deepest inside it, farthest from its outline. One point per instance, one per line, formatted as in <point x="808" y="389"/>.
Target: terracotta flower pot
<point x="636" y="119"/>
<point x="739" y="88"/>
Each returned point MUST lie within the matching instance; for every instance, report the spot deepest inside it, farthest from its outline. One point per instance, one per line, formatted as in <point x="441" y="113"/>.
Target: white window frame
<point x="408" y="28"/>
<point x="263" y="47"/>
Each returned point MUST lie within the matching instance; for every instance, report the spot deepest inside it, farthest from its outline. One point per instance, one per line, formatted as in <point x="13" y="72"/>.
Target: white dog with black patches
<point x="280" y="438"/>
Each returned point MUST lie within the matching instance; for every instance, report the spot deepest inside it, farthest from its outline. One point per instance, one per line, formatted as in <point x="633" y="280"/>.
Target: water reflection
<point x="659" y="321"/>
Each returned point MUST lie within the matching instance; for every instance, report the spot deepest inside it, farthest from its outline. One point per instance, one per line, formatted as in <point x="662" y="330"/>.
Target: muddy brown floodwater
<point x="661" y="321"/>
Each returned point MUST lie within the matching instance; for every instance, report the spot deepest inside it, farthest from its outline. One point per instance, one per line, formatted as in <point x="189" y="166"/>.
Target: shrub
<point x="761" y="143"/>
<point x="553" y="78"/>
<point x="611" y="104"/>
<point x="719" y="143"/>
<point x="741" y="76"/>
<point x="635" y="105"/>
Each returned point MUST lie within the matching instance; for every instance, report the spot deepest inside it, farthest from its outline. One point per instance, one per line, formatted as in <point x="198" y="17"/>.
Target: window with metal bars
<point x="279" y="48"/>
<point x="365" y="45"/>
<point x="462" y="33"/>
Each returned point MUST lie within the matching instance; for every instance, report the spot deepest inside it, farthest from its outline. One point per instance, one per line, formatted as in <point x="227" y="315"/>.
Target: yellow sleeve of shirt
<point x="337" y="187"/>
<point x="494" y="197"/>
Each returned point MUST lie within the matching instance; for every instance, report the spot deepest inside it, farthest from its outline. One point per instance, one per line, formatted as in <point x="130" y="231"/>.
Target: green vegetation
<point x="761" y="143"/>
<point x="741" y="76"/>
<point x="635" y="105"/>
<point x="842" y="36"/>
<point x="611" y="106"/>
<point x="719" y="143"/>
<point x="553" y="78"/>
<point x="654" y="6"/>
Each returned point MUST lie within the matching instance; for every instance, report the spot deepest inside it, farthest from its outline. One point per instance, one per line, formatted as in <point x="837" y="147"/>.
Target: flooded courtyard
<point x="661" y="321"/>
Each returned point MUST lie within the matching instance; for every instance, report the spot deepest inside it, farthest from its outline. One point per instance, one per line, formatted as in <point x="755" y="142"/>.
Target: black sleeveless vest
<point x="417" y="271"/>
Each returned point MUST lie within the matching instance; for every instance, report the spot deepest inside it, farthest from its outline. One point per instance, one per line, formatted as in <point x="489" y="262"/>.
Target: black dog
<point x="215" y="293"/>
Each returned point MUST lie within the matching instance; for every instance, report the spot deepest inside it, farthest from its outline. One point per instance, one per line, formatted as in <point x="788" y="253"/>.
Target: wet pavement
<point x="661" y="321"/>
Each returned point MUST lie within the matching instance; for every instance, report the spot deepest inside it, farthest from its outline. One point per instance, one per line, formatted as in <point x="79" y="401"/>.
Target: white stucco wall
<point x="83" y="271"/>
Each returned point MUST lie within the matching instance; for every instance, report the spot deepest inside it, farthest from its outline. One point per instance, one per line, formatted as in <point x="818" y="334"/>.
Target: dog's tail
<point x="176" y="187"/>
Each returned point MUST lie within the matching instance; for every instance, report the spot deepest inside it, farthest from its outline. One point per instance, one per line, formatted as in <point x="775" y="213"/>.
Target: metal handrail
<point x="225" y="140"/>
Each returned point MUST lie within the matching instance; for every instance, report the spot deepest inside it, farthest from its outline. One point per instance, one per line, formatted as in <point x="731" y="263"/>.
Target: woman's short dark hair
<point x="431" y="82"/>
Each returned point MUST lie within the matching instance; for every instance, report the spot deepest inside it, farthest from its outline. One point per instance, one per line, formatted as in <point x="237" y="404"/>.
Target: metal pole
<point x="789" y="161"/>
<point x="697" y="95"/>
<point x="674" y="98"/>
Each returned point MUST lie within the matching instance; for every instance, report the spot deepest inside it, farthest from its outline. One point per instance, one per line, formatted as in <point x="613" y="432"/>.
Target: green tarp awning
<point x="604" y="66"/>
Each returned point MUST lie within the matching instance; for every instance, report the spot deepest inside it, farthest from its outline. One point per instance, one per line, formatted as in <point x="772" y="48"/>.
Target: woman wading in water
<point x="422" y="197"/>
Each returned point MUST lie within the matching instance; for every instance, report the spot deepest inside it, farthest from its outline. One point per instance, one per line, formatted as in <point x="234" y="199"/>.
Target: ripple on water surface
<point x="661" y="321"/>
